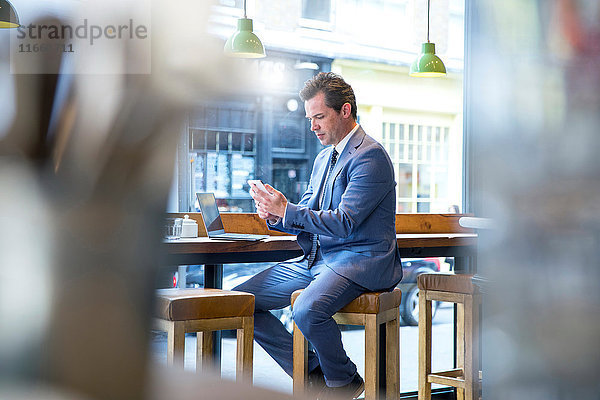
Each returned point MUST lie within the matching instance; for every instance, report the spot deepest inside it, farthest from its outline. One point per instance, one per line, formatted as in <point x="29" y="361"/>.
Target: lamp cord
<point x="245" y="16"/>
<point x="427" y="19"/>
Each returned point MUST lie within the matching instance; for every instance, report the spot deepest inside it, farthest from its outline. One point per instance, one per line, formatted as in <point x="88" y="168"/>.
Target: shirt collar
<point x="342" y="144"/>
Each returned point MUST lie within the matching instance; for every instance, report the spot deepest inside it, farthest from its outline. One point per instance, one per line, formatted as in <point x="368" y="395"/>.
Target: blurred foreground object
<point x="85" y="169"/>
<point x="533" y="133"/>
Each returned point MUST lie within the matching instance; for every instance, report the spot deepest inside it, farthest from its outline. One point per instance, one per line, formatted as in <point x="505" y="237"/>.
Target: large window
<point x="264" y="135"/>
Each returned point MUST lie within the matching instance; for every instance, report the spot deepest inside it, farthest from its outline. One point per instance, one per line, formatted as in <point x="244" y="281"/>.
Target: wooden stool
<point x="457" y="289"/>
<point x="180" y="311"/>
<point x="369" y="310"/>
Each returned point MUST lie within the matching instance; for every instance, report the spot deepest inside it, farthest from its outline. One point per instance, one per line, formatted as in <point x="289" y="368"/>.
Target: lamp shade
<point x="8" y="15"/>
<point x="244" y="43"/>
<point x="427" y="65"/>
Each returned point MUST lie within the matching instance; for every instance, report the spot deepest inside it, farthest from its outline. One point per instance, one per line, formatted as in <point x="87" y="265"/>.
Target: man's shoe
<point x="315" y="381"/>
<point x="349" y="391"/>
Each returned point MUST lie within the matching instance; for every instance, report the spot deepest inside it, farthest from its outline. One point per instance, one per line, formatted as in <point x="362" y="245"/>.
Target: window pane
<point x="316" y="9"/>
<point x="198" y="170"/>
<point x="424" y="180"/>
<point x="211" y="140"/>
<point x="223" y="141"/>
<point x="441" y="182"/>
<point x="423" y="207"/>
<point x="444" y="153"/>
<point x="197" y="140"/>
<point x="404" y="180"/>
<point x="218" y="175"/>
<point x="236" y="141"/>
<point x="242" y="169"/>
<point x="232" y="3"/>
<point x="404" y="207"/>
<point x="249" y="142"/>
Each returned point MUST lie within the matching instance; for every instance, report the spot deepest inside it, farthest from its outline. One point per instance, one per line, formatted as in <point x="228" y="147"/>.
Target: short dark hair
<point x="337" y="92"/>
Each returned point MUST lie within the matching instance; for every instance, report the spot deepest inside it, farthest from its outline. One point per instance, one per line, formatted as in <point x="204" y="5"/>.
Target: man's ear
<point x="346" y="110"/>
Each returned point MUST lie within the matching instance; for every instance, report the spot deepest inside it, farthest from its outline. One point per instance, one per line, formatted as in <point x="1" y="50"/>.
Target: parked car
<point x="234" y="274"/>
<point x="409" y="307"/>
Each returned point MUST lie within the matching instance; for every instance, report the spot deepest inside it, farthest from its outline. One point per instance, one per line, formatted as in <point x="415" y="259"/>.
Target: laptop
<point x="213" y="223"/>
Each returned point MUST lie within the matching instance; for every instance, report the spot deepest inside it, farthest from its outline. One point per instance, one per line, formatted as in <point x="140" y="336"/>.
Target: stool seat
<point x="194" y="304"/>
<point x="447" y="283"/>
<point x="368" y="303"/>
<point x="203" y="311"/>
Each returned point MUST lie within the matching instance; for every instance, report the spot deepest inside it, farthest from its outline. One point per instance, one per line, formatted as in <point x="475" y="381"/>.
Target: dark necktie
<point x="315" y="237"/>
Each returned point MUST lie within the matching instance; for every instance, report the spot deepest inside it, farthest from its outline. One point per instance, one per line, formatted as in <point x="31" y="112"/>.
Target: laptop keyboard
<point x="240" y="236"/>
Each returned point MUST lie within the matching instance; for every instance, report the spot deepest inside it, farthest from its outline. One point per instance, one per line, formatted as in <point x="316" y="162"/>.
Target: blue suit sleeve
<point x="370" y="179"/>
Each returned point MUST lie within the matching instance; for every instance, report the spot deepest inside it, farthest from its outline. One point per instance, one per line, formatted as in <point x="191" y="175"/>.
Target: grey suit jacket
<point x="356" y="223"/>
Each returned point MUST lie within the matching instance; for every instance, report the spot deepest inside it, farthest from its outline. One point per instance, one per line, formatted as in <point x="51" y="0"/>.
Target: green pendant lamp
<point x="244" y="43"/>
<point x="8" y="15"/>
<point x="427" y="65"/>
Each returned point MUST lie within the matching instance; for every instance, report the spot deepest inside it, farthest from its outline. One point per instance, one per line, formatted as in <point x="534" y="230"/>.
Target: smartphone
<point x="259" y="185"/>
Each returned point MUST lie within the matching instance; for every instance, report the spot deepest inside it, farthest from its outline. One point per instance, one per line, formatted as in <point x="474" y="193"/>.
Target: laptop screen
<point x="210" y="213"/>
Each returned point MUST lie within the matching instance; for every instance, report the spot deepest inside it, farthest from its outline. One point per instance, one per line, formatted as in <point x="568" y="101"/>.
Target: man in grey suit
<point x="345" y="224"/>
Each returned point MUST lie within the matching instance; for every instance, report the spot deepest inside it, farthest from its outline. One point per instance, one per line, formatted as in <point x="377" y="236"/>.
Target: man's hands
<point x="269" y="206"/>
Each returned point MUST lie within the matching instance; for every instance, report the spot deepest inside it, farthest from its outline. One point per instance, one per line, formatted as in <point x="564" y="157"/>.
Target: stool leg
<point x="476" y="349"/>
<point x="392" y="345"/>
<point x="300" y="362"/>
<point x="471" y="373"/>
<point x="204" y="347"/>
<point x="245" y="341"/>
<point x="460" y="345"/>
<point x="175" y="343"/>
<point x="371" y="357"/>
<point x="424" y="345"/>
